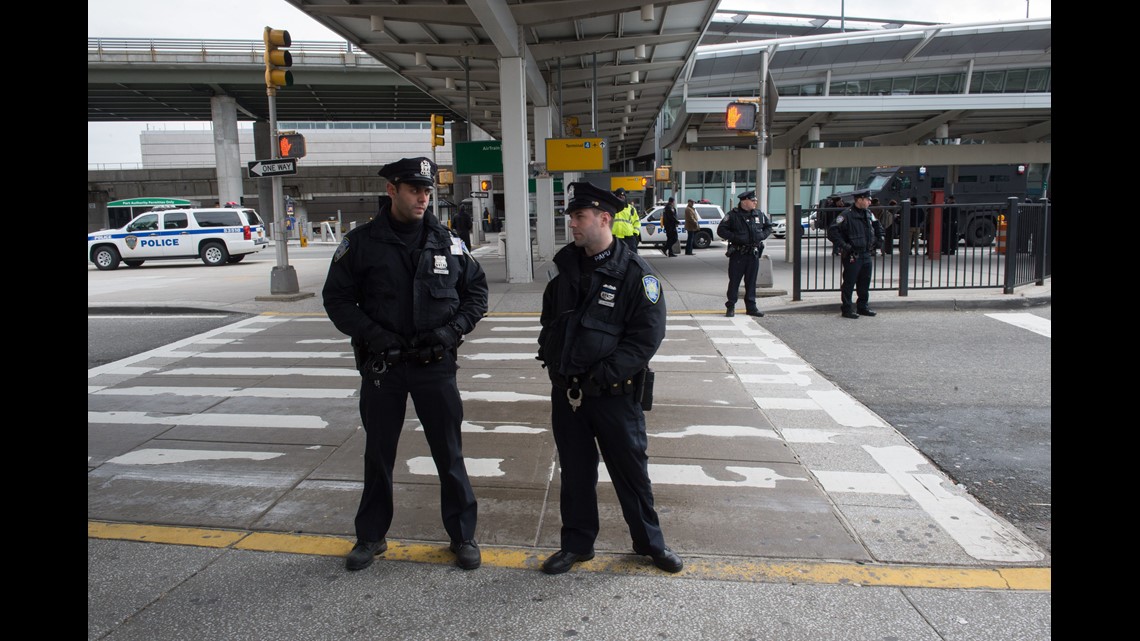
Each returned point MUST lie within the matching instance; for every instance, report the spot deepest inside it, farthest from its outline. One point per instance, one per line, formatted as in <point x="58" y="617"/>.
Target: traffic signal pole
<point x="283" y="278"/>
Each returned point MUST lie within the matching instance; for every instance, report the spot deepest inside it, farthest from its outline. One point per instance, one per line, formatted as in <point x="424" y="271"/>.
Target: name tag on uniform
<point x="440" y="265"/>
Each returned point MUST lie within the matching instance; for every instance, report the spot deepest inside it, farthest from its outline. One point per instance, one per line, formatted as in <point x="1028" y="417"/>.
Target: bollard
<point x="502" y="243"/>
<point x="764" y="274"/>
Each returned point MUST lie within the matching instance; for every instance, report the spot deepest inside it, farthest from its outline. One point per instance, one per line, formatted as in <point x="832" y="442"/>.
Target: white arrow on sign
<point x="275" y="167"/>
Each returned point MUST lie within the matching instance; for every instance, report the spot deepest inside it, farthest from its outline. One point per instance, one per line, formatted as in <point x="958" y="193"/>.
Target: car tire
<point x="105" y="258"/>
<point x="703" y="240"/>
<point x="214" y="254"/>
<point x="133" y="262"/>
<point x="235" y="259"/>
<point x="981" y="232"/>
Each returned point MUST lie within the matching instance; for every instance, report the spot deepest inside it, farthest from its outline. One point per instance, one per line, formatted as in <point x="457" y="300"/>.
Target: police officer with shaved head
<point x="406" y="290"/>
<point x="603" y="318"/>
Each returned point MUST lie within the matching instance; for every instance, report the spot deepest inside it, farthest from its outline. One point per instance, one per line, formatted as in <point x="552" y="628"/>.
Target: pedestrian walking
<point x="857" y="234"/>
<point x="603" y="319"/>
<point x="462" y="224"/>
<point x="406" y="291"/>
<point x="669" y="224"/>
<point x="745" y="228"/>
<point x="692" y="226"/>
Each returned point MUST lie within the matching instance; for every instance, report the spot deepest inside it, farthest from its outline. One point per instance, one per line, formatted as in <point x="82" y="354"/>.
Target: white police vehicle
<point x="217" y="236"/>
<point x="709" y="215"/>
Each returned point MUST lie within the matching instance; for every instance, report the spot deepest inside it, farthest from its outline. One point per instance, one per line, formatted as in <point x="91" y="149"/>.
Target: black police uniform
<point x="745" y="232"/>
<point x="603" y="318"/>
<point x="857" y="233"/>
<point x="378" y="284"/>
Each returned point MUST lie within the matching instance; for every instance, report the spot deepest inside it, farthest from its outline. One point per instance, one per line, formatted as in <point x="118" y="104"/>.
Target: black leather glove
<point x="381" y="340"/>
<point x="444" y="335"/>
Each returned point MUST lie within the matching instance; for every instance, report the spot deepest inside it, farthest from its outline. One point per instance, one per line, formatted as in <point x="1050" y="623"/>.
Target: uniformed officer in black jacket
<point x="406" y="290"/>
<point x="857" y="234"/>
<point x="603" y="318"/>
<point x="745" y="228"/>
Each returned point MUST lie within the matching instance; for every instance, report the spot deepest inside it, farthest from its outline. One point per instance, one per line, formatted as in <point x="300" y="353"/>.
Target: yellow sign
<point x="576" y="154"/>
<point x="629" y="183"/>
<point x="661" y="174"/>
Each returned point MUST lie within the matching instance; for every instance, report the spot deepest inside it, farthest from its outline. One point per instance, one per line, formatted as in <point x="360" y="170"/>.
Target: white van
<point x="710" y="216"/>
<point x="216" y="236"/>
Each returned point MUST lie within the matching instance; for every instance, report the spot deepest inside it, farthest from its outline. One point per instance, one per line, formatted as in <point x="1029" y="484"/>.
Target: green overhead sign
<point x="479" y="157"/>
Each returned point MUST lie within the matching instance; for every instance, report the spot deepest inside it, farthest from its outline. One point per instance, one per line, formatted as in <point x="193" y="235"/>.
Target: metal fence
<point x="958" y="246"/>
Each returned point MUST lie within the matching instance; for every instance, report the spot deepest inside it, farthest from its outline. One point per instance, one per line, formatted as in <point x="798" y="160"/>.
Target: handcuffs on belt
<point x="377" y="366"/>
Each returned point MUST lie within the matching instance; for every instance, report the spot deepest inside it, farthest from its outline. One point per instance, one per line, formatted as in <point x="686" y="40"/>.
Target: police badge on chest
<point x="607" y="295"/>
<point x="440" y="265"/>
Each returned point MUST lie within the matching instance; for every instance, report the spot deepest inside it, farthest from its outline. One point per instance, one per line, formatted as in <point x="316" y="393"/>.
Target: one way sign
<point x="275" y="167"/>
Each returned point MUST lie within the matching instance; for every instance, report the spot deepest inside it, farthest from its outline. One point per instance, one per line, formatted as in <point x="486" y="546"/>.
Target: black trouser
<point x="670" y="240"/>
<point x="436" y="397"/>
<point x="857" y="277"/>
<point x="743" y="265"/>
<point x="889" y="239"/>
<point x="632" y="241"/>
<point x="616" y="426"/>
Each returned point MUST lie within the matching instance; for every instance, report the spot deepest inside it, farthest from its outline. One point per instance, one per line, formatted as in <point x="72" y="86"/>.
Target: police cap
<point x="866" y="193"/>
<point x="748" y="195"/>
<point x="582" y="195"/>
<point x="620" y="191"/>
<point x="410" y="170"/>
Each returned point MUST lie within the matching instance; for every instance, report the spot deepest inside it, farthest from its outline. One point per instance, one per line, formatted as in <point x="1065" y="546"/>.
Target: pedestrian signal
<point x="740" y="116"/>
<point x="291" y="145"/>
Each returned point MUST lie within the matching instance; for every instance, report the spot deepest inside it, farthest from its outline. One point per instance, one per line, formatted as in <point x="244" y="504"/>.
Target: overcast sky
<point x="114" y="143"/>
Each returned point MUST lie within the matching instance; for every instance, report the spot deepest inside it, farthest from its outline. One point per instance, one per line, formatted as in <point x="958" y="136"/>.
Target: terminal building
<point x="839" y="101"/>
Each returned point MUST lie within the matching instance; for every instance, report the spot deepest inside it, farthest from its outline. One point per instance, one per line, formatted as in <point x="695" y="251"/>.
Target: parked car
<point x="807" y="225"/>
<point x="217" y="236"/>
<point x="710" y="216"/>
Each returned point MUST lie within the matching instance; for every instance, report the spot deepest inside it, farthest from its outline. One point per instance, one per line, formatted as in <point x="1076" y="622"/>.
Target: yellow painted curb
<point x="1038" y="579"/>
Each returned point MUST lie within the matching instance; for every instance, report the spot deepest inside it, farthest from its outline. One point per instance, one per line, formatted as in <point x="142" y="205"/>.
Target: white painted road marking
<point x="294" y="421"/>
<point x="1032" y="322"/>
<point x="163" y="457"/>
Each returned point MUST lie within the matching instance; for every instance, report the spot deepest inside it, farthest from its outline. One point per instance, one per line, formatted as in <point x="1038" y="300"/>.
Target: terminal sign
<point x="576" y="154"/>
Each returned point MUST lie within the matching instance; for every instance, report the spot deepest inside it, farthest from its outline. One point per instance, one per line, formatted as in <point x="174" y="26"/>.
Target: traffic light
<point x="740" y="116"/>
<point x="485" y="185"/>
<point x="291" y="145"/>
<point x="277" y="60"/>
<point x="437" y="130"/>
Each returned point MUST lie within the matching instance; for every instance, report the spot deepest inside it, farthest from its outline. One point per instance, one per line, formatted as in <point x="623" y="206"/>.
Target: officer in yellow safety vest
<point x="627" y="224"/>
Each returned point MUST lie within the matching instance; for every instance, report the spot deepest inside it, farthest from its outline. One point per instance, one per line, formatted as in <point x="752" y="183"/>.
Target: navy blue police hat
<point x="748" y="195"/>
<point x="582" y="195"/>
<point x="410" y="170"/>
<point x="620" y="191"/>
<point x="866" y="193"/>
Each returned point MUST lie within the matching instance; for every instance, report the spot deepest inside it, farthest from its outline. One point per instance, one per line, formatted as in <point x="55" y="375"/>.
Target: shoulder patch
<point x="839" y="218"/>
<point x="341" y="249"/>
<point x="652" y="288"/>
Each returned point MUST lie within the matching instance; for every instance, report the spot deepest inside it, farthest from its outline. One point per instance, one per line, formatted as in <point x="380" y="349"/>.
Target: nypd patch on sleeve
<point x="652" y="288"/>
<point x="341" y="249"/>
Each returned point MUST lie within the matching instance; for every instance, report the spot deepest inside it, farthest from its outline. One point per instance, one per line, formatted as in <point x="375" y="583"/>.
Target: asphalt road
<point x="971" y="392"/>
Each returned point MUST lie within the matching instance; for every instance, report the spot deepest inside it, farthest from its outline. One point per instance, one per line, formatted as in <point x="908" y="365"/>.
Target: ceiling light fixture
<point x="647" y="12"/>
<point x="634" y="77"/>
<point x="421" y="59"/>
<point x="378" y="24"/>
<point x="449" y="82"/>
<point x="631" y="95"/>
<point x="639" y="52"/>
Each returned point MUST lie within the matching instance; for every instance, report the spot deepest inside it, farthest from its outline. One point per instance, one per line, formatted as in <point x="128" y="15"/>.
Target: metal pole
<point x="762" y="138"/>
<point x="282" y="278"/>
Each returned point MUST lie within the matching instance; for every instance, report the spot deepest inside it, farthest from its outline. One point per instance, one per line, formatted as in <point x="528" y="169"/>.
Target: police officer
<point x="406" y="290"/>
<point x="627" y="224"/>
<point x="745" y="228"/>
<point x="857" y="233"/>
<point x="603" y="318"/>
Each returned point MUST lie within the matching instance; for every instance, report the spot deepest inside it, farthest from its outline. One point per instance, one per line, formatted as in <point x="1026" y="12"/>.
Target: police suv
<point x="709" y="217"/>
<point x="217" y="236"/>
